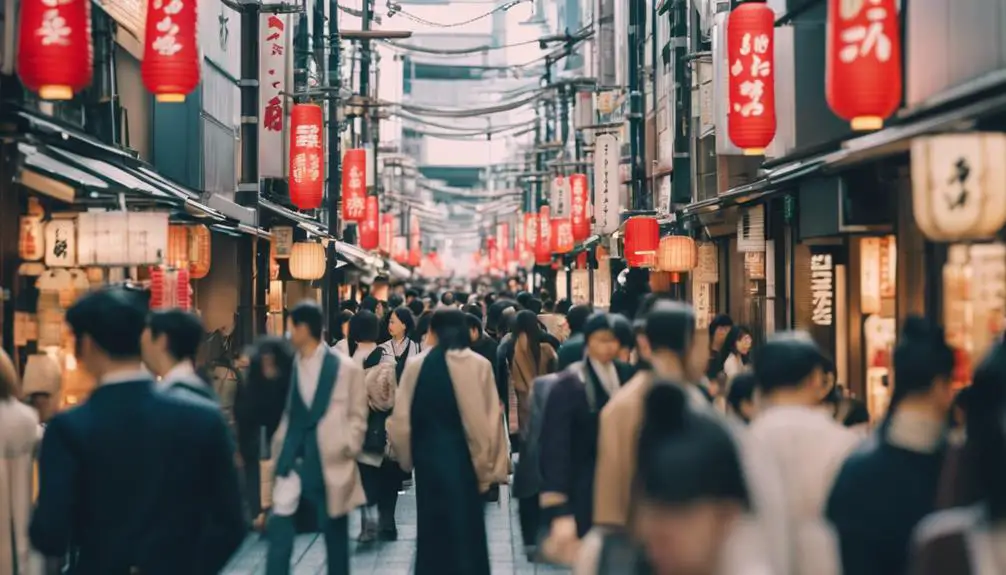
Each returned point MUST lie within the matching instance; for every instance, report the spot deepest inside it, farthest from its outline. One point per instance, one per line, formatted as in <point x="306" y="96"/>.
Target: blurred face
<point x="687" y="539"/>
<point x="242" y="362"/>
<point x="818" y="383"/>
<point x="603" y="346"/>
<point x="720" y="335"/>
<point x="473" y="335"/>
<point x="744" y="344"/>
<point x="344" y="329"/>
<point x="395" y="327"/>
<point x="155" y="352"/>
<point x="300" y="335"/>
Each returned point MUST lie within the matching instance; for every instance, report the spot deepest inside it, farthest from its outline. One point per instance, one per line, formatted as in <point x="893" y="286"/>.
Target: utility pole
<point x="681" y="183"/>
<point x="334" y="101"/>
<point x="637" y="135"/>
<point x="250" y="321"/>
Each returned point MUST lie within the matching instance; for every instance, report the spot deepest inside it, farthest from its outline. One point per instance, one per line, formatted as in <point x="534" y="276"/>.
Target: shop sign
<point x="869" y="284"/>
<point x="957" y="185"/>
<point x="122" y="238"/>
<point x="282" y="238"/>
<point x="822" y="289"/>
<point x="559" y="199"/>
<point x="60" y="244"/>
<point x="31" y="245"/>
<point x="273" y="58"/>
<point x="751" y="56"/>
<point x="707" y="270"/>
<point x="354" y="184"/>
<point x="888" y="267"/>
<point x="607" y="184"/>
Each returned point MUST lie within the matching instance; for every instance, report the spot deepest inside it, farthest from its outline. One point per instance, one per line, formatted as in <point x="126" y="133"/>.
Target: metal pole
<point x="365" y="72"/>
<point x="637" y="146"/>
<point x="251" y="318"/>
<point x="681" y="183"/>
<point x="334" y="102"/>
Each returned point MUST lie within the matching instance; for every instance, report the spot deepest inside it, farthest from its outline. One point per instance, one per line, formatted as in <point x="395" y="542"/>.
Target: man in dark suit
<point x="170" y="344"/>
<point x="134" y="481"/>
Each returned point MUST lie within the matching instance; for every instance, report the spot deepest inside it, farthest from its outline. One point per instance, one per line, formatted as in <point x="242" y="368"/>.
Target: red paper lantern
<point x="863" y="62"/>
<point x="387" y="238"/>
<point x="55" y="55"/>
<point x="369" y="235"/>
<point x="531" y="234"/>
<point x="751" y="56"/>
<point x="158" y="295"/>
<point x="354" y="184"/>
<point x="642" y="237"/>
<point x="543" y="247"/>
<point x="562" y="235"/>
<point x="171" y="58"/>
<point x="307" y="171"/>
<point x="579" y="213"/>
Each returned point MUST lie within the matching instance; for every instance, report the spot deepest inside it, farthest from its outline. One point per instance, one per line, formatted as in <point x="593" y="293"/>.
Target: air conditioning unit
<point x="751" y="230"/>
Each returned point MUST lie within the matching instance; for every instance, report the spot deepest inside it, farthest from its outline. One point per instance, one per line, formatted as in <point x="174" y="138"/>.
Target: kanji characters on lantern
<point x="579" y="205"/>
<point x="562" y="235"/>
<point x="55" y="54"/>
<point x="543" y="249"/>
<point x="171" y="58"/>
<point x="750" y="53"/>
<point x="863" y="61"/>
<point x="307" y="177"/>
<point x="387" y="233"/>
<point x="354" y="184"/>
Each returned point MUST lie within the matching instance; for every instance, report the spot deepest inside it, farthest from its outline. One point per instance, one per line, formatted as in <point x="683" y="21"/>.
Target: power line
<point x="394" y="8"/>
<point x="456" y="51"/>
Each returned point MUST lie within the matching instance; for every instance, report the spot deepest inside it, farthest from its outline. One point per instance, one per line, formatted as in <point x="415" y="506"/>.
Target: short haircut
<point x="475" y="310"/>
<point x="447" y="298"/>
<point x="411" y="293"/>
<point x="395" y="301"/>
<point x="349" y="305"/>
<point x="364" y="327"/>
<point x="183" y="329"/>
<point x="577" y="317"/>
<point x="114" y="318"/>
<point x="670" y="326"/>
<point x="786" y="359"/>
<point x="369" y="303"/>
<point x="474" y="322"/>
<point x="308" y="313"/>
<point x="548" y="306"/>
<point x="416" y="307"/>
<point x="722" y="320"/>
<point x="742" y="388"/>
<point x="533" y="305"/>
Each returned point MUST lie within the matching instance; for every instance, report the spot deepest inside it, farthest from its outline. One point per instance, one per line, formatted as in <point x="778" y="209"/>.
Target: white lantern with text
<point x="307" y="261"/>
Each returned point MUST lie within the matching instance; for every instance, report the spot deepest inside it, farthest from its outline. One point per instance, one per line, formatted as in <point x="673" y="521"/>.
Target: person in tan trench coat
<point x="18" y="435"/>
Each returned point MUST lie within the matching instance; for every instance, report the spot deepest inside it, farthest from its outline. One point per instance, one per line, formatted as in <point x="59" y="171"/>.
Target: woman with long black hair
<point x="733" y="355"/>
<point x="885" y="488"/>
<point x="446" y="425"/>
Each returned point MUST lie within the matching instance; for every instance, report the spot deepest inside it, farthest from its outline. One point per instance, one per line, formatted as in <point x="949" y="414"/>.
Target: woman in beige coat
<point x="447" y="425"/>
<point x="19" y="433"/>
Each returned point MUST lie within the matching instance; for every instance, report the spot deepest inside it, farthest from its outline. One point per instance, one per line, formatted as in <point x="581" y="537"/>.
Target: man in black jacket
<point x="170" y="344"/>
<point x="134" y="481"/>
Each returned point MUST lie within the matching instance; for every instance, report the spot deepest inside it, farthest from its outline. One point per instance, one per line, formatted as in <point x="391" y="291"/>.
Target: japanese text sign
<point x="354" y="184"/>
<point x="579" y="207"/>
<point x="307" y="172"/>
<point x="273" y="53"/>
<point x="559" y="198"/>
<point x="751" y="60"/>
<point x="606" y="184"/>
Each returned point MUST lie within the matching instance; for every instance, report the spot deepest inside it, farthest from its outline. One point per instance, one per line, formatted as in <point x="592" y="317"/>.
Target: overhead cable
<point x="394" y="9"/>
<point x="456" y="51"/>
<point x="469" y="112"/>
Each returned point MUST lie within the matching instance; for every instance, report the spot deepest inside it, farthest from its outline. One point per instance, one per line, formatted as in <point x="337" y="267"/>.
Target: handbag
<point x="376" y="438"/>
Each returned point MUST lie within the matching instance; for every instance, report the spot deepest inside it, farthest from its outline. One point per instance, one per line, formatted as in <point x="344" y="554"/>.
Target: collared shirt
<point x="125" y="376"/>
<point x="181" y="371"/>
<point x="607" y="374"/>
<point x="308" y="372"/>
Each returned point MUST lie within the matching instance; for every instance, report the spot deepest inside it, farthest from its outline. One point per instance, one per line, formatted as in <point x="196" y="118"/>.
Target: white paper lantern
<point x="60" y="244"/>
<point x="957" y="185"/>
<point x="122" y="238"/>
<point x="307" y="261"/>
<point x="676" y="254"/>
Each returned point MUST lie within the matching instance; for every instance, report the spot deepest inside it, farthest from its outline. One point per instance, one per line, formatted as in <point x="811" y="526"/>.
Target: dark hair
<point x="673" y="438"/>
<point x="722" y="320"/>
<point x="562" y="307"/>
<point x="395" y="301"/>
<point x="921" y="356"/>
<point x="494" y="314"/>
<point x="649" y="301"/>
<point x="364" y="327"/>
<point x="308" y="313"/>
<point x="474" y="322"/>
<point x="370" y="304"/>
<point x="622" y="328"/>
<point x="548" y="306"/>
<point x="416" y="307"/>
<point x="411" y="293"/>
<point x="114" y="319"/>
<point x="534" y="304"/>
<point x="475" y="310"/>
<point x="986" y="443"/>
<point x="183" y="329"/>
<point x="405" y="316"/>
<point x="670" y="326"/>
<point x="730" y="345"/>
<point x="281" y="353"/>
<point x="523" y="297"/>
<point x="422" y="326"/>
<point x="342" y="319"/>
<point x="451" y="328"/>
<point x="526" y="323"/>
<point x="447" y="298"/>
<point x="742" y="388"/>
<point x="349" y="305"/>
<point x="786" y="360"/>
<point x="577" y="317"/>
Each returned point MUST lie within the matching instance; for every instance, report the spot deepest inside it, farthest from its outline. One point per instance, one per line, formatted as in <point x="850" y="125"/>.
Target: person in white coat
<point x="19" y="433"/>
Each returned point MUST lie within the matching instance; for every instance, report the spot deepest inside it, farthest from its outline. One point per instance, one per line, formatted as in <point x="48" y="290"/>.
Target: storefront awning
<point x="310" y="225"/>
<point x="398" y="272"/>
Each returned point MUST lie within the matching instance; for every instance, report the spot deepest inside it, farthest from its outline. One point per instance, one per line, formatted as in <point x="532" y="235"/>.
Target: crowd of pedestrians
<point x="633" y="442"/>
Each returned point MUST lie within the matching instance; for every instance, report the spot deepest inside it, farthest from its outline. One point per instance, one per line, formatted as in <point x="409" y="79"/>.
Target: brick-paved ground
<point x="505" y="547"/>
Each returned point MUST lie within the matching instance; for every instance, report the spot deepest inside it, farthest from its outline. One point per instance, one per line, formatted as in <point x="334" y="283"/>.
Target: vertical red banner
<point x="387" y="233"/>
<point x="369" y="228"/>
<point x="354" y="185"/>
<point x="579" y="207"/>
<point x="543" y="248"/>
<point x="307" y="174"/>
<point x="562" y="235"/>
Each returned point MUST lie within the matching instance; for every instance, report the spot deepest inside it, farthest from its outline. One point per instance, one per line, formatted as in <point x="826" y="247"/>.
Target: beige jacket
<point x="19" y="433"/>
<point x="340" y="437"/>
<point x="478" y="402"/>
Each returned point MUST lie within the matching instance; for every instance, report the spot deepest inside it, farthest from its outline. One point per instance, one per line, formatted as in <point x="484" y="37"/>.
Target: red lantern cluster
<point x="642" y="238"/>
<point x="863" y="62"/>
<point x="171" y="58"/>
<point x="579" y="213"/>
<point x="562" y="235"/>
<point x="307" y="173"/>
<point x="55" y="55"/>
<point x="369" y="232"/>
<point x="751" y="60"/>
<point x="354" y="184"/>
<point x="543" y="247"/>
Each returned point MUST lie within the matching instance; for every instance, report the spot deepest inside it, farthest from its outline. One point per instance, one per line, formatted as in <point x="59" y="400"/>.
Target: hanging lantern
<point x="863" y="62"/>
<point x="183" y="291"/>
<point x="369" y="236"/>
<point x="387" y="238"/>
<point x="415" y="256"/>
<point x="171" y="57"/>
<point x="200" y="251"/>
<point x="54" y="54"/>
<point x="354" y="185"/>
<point x="307" y="172"/>
<point x="579" y="206"/>
<point x="642" y="237"/>
<point x="562" y="235"/>
<point x="751" y="57"/>
<point x="178" y="246"/>
<point x="157" y="284"/>
<point x="307" y="261"/>
<point x="31" y="243"/>
<point x="400" y="249"/>
<point x="676" y="254"/>
<point x="543" y="247"/>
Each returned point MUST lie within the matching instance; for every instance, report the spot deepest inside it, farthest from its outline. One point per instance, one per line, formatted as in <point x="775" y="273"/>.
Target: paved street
<point x="396" y="558"/>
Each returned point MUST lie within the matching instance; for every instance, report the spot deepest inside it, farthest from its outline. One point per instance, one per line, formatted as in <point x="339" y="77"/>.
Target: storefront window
<point x="974" y="302"/>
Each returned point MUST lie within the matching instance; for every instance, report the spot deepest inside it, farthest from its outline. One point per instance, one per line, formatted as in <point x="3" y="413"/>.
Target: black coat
<point x="135" y="478"/>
